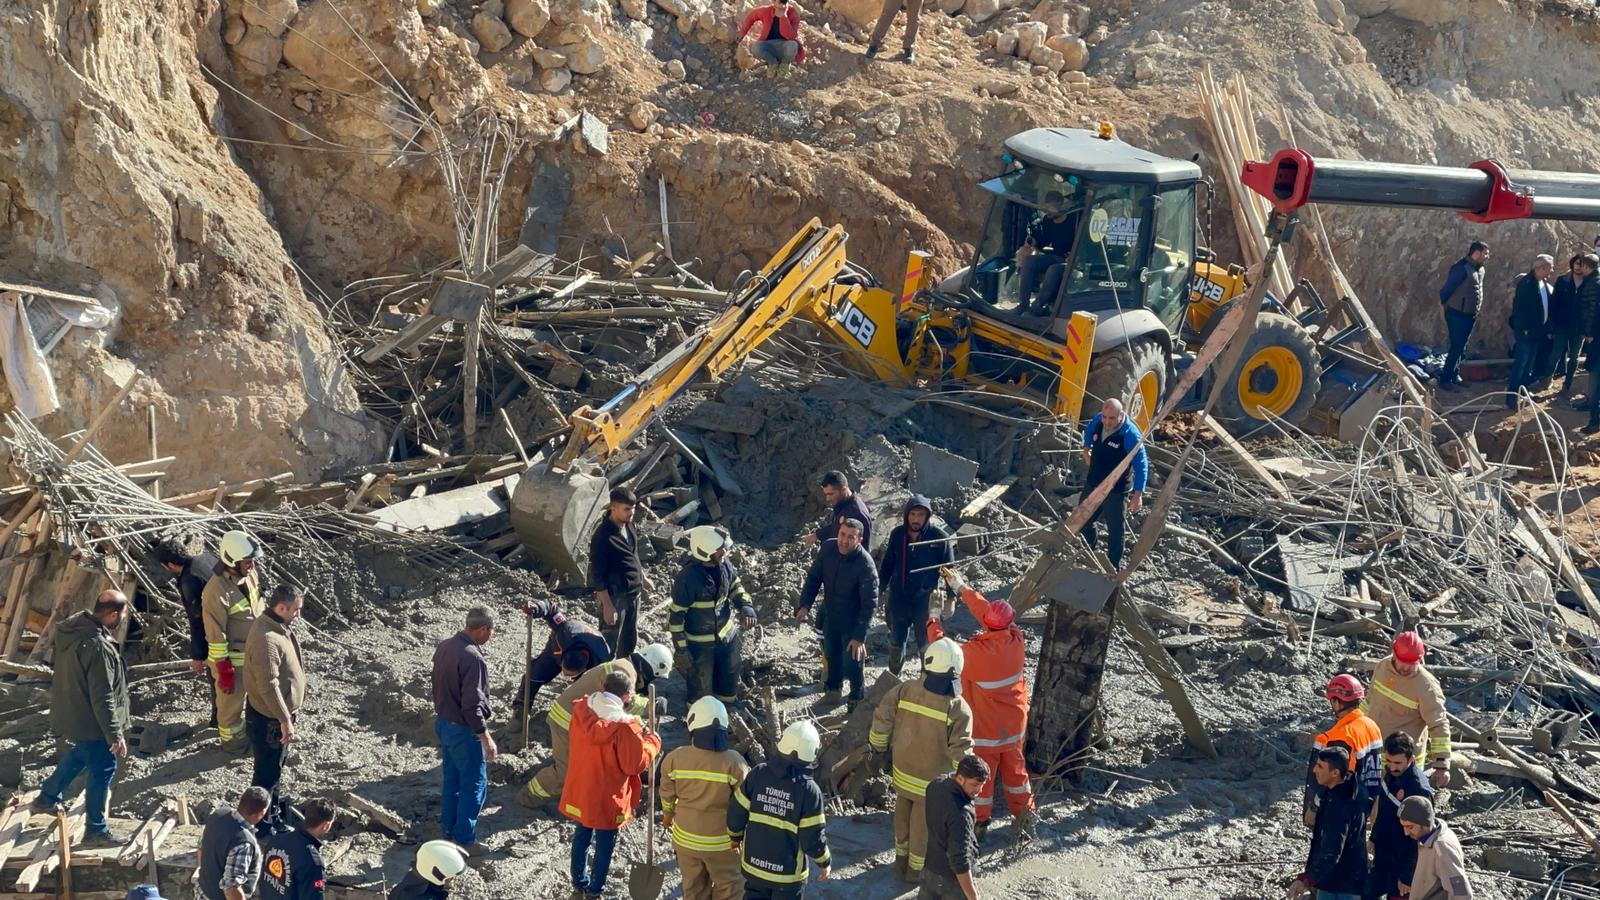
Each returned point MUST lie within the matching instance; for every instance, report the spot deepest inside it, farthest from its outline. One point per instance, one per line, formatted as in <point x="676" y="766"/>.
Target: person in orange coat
<point x="609" y="749"/>
<point x="993" y="683"/>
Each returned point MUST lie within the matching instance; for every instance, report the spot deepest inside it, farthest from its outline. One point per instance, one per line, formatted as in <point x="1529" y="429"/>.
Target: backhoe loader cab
<point x="1082" y="222"/>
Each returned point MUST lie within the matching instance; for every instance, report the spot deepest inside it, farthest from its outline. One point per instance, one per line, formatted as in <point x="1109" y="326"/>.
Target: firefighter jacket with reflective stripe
<point x="1411" y="703"/>
<point x="706" y="604"/>
<point x="229" y="607"/>
<point x="1360" y="737"/>
<point x="776" y="815"/>
<point x="610" y="750"/>
<point x="560" y="714"/>
<point x="992" y="682"/>
<point x="696" y="787"/>
<point x="926" y="733"/>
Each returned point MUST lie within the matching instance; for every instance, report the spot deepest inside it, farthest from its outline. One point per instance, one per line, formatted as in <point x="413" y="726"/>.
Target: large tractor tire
<point x="1134" y="373"/>
<point x="1278" y="377"/>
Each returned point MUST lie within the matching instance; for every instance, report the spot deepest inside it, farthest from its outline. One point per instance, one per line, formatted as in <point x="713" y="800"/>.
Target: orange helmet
<point x="999" y="615"/>
<point x="1408" y="648"/>
<point x="1347" y="688"/>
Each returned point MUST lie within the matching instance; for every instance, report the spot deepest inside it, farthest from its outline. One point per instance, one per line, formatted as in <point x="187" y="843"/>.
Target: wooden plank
<point x="460" y="299"/>
<point x="1245" y="458"/>
<point x="1167" y="675"/>
<point x="48" y="294"/>
<point x="44" y="857"/>
<point x="13" y="820"/>
<point x="990" y="494"/>
<point x="153" y="843"/>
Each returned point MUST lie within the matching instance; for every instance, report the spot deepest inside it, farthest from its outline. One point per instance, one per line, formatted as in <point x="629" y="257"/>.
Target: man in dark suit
<point x="1529" y="321"/>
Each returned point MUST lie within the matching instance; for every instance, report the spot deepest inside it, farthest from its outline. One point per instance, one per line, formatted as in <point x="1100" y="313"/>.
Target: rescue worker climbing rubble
<point x="776" y="821"/>
<point x="697" y="785"/>
<point x="1406" y="697"/>
<point x="574" y="647"/>
<point x="994" y="686"/>
<point x="650" y="662"/>
<point x="1356" y="733"/>
<point x="709" y="608"/>
<point x="229" y="606"/>
<point x="925" y="727"/>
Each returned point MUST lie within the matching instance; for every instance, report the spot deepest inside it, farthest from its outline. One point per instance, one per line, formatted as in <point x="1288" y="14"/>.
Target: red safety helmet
<point x="1408" y="648"/>
<point x="999" y="615"/>
<point x="1346" y="688"/>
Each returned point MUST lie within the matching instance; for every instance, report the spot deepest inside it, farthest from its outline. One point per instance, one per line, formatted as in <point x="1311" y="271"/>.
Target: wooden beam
<point x="1245" y="458"/>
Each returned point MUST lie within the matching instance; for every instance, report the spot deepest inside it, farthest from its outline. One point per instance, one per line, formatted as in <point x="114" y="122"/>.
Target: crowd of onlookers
<point x="1551" y="320"/>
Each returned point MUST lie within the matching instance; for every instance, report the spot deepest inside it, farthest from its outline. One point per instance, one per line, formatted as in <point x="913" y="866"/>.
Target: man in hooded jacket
<point x="611" y="748"/>
<point x="908" y="574"/>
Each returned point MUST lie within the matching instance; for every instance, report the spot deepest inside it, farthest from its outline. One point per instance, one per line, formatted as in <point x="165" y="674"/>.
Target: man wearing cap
<point x="1406" y="697"/>
<point x="616" y="573"/>
<point x="1530" y="324"/>
<point x="993" y="682"/>
<point x="1441" y="872"/>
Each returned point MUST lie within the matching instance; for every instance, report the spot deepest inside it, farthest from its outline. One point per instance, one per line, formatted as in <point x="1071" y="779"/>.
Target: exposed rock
<point x="864" y="13"/>
<point x="637" y="10"/>
<point x="549" y="59"/>
<point x="1029" y="36"/>
<point x="951" y="7"/>
<point x="1000" y="87"/>
<point x="1332" y="12"/>
<point x="271" y="16"/>
<point x="585" y="54"/>
<point x="1153" y="37"/>
<point x="590" y="135"/>
<point x="335" y="46"/>
<point x="233" y="32"/>
<point x="1074" y="50"/>
<point x="678" y="8"/>
<point x="594" y="14"/>
<point x="675" y="70"/>
<point x="428" y="8"/>
<point x="1145" y="67"/>
<point x="981" y="10"/>
<point x="258" y="52"/>
<point x="888" y="124"/>
<point x="1098" y="34"/>
<point x="1071" y="77"/>
<point x="554" y="81"/>
<point x="642" y="115"/>
<point x="1050" y="59"/>
<point x="1005" y="42"/>
<point x="743" y="58"/>
<point x="491" y="32"/>
<point x="528" y="17"/>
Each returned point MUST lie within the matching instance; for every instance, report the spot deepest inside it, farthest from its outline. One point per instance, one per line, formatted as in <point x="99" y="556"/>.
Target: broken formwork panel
<point x="936" y="472"/>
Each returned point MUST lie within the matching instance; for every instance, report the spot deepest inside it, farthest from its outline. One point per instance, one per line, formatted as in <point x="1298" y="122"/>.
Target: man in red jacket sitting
<point x="610" y="748"/>
<point x="777" y="40"/>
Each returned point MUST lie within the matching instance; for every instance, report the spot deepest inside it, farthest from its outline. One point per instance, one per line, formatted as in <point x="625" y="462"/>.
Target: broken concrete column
<point x="1065" y="716"/>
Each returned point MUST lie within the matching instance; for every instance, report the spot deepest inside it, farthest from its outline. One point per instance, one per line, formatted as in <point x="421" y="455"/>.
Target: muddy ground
<point x="1151" y="818"/>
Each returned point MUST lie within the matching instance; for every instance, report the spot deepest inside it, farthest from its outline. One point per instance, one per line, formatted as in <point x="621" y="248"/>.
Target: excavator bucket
<point x="555" y="514"/>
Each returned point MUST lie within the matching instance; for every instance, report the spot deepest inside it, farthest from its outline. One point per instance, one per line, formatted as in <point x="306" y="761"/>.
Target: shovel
<point x="645" y="879"/>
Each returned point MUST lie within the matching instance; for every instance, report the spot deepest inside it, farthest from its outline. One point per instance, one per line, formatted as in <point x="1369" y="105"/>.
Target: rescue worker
<point x="191" y="573"/>
<point x="849" y="583"/>
<point x="1337" y="865"/>
<point x="709" y="607"/>
<point x="843" y="503"/>
<point x="229" y="854"/>
<point x="1393" y="854"/>
<point x="1353" y="731"/>
<point x="952" y="832"/>
<point x="611" y="748"/>
<point x="573" y="648"/>
<point x="697" y="784"/>
<point x="908" y="575"/>
<point x="1441" y="872"/>
<point x="275" y="692"/>
<point x="439" y="864"/>
<point x="1406" y="697"/>
<point x="229" y="606"/>
<point x="294" y="869"/>
<point x="925" y="728"/>
<point x="994" y="686"/>
<point x="614" y="570"/>
<point x="776" y="821"/>
<point x="1109" y="437"/>
<point x="651" y="662"/>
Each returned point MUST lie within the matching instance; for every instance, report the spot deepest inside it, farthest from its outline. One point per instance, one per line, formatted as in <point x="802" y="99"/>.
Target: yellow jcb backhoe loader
<point x="1086" y="285"/>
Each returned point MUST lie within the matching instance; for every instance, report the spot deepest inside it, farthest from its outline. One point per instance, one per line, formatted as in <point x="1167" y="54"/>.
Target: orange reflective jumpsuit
<point x="993" y="685"/>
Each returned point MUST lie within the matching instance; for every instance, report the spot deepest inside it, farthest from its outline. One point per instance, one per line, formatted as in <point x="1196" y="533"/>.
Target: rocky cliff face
<point x="120" y="180"/>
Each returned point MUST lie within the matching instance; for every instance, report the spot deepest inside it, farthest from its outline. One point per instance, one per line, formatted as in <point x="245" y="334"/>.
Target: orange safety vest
<point x="1361" y="736"/>
<point x="992" y="682"/>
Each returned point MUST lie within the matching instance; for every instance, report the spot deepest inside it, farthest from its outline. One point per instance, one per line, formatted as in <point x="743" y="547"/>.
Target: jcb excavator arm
<point x="800" y="279"/>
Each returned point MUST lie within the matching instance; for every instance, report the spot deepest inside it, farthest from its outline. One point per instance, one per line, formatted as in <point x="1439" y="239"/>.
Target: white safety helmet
<point x="659" y="658"/>
<point x="801" y="740"/>
<point x="707" y="711"/>
<point x="236" y="546"/>
<point x="943" y="657"/>
<point x="439" y="861"/>
<point x="706" y="540"/>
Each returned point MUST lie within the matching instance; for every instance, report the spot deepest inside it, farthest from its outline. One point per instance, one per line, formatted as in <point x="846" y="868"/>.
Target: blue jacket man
<point x="1110" y="438"/>
<point x="1394" y="855"/>
<point x="1462" y="296"/>
<point x="908" y="575"/>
